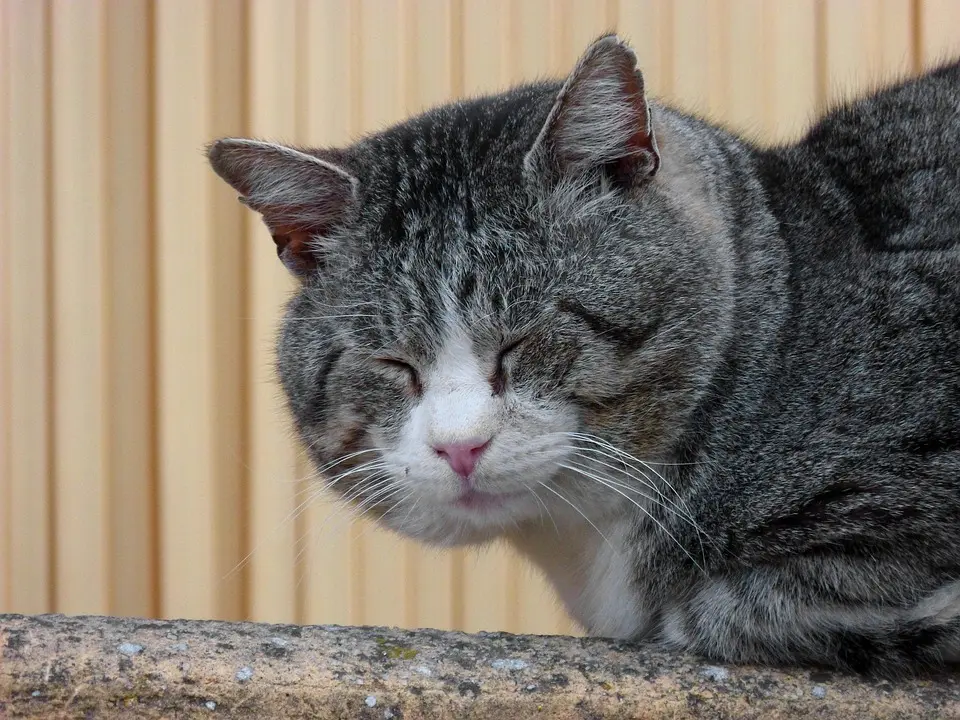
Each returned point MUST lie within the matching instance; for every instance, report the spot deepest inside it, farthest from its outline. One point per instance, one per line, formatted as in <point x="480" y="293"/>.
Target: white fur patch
<point x="458" y="403"/>
<point x="457" y="406"/>
<point x="593" y="577"/>
<point x="940" y="607"/>
<point x="609" y="598"/>
<point x="527" y="442"/>
<point x="673" y="632"/>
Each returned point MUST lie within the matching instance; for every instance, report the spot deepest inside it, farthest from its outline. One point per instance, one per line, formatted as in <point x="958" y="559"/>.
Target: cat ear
<point x="300" y="196"/>
<point x="600" y="120"/>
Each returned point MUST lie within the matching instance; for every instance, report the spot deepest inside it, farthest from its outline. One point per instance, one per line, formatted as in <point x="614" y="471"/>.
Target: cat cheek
<point x="344" y="432"/>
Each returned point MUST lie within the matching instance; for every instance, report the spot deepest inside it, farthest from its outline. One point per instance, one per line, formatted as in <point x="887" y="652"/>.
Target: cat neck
<point x="590" y="568"/>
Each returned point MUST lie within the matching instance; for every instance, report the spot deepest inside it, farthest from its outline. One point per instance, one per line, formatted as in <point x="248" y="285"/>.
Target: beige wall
<point x="145" y="466"/>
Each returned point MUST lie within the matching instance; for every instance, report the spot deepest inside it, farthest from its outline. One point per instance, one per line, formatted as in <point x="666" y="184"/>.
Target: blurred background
<point x="146" y="466"/>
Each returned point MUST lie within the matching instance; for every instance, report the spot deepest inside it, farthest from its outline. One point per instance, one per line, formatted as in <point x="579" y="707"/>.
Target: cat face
<point x="445" y="376"/>
<point x="494" y="318"/>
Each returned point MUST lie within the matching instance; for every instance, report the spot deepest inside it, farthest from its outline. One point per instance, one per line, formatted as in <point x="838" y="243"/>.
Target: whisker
<point x="681" y="502"/>
<point x="370" y="466"/>
<point x="322" y="490"/>
<point x="367" y="485"/>
<point x="664" y="502"/>
<point x="623" y="454"/>
<point x="547" y="509"/>
<point x="342" y="505"/>
<point x="305" y="318"/>
<point x="557" y="493"/>
<point x="374" y="494"/>
<point x="410" y="511"/>
<point x="374" y="475"/>
<point x="348" y="456"/>
<point x="642" y="509"/>
<point x="312" y="494"/>
<point x="623" y="467"/>
<point x="381" y="496"/>
<point x="245" y="560"/>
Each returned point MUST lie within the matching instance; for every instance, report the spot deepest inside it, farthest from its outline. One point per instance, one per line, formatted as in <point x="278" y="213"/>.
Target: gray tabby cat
<point x="712" y="390"/>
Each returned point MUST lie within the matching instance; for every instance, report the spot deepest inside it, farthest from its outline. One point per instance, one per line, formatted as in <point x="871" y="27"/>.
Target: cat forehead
<point x="413" y="302"/>
<point x="476" y="144"/>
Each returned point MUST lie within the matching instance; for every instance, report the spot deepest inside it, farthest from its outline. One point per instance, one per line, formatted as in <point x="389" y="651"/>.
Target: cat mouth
<point x="478" y="500"/>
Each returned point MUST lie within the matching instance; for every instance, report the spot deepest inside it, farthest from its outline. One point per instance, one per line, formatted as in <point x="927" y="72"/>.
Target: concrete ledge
<point x="57" y="666"/>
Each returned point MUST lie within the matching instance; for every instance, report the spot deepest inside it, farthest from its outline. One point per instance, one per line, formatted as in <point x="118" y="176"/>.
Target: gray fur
<point x="736" y="393"/>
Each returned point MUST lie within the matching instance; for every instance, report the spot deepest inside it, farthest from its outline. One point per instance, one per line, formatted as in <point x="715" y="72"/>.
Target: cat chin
<point x="451" y="529"/>
<point x="447" y="535"/>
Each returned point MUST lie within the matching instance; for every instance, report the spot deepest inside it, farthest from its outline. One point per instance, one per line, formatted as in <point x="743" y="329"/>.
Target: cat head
<point x="495" y="303"/>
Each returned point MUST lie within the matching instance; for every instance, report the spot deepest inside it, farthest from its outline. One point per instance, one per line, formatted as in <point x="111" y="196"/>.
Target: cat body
<point x="711" y="389"/>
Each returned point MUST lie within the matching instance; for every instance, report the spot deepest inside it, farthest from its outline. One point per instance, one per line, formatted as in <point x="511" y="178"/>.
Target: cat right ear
<point x="600" y="120"/>
<point x="301" y="197"/>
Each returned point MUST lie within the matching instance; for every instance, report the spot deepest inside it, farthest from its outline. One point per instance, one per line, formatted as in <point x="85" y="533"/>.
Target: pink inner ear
<point x="294" y="250"/>
<point x="646" y="162"/>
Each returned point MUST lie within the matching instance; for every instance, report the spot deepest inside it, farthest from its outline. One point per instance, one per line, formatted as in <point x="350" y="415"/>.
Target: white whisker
<point x="663" y="502"/>
<point x="680" y="510"/>
<point x="557" y="493"/>
<point x="546" y="509"/>
<point x="602" y="481"/>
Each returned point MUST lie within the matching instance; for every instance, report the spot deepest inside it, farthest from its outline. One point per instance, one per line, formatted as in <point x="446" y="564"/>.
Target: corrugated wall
<point x="145" y="461"/>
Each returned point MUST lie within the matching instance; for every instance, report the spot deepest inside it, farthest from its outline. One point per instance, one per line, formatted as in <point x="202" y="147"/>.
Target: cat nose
<point x="462" y="456"/>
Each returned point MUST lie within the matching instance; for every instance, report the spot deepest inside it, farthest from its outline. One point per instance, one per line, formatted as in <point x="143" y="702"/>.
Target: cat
<point x="711" y="389"/>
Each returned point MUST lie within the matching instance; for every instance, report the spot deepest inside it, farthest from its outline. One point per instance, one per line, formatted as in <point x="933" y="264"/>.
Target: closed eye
<point x="509" y="348"/>
<point x="499" y="380"/>
<point x="402" y="366"/>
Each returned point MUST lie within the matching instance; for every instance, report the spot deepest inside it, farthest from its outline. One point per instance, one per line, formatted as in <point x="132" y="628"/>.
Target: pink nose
<point x="462" y="456"/>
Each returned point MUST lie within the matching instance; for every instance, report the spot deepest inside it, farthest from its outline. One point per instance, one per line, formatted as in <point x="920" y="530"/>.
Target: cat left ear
<point x="600" y="120"/>
<point x="301" y="196"/>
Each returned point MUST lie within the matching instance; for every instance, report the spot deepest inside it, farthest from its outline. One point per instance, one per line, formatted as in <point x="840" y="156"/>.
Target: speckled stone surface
<point x="96" y="667"/>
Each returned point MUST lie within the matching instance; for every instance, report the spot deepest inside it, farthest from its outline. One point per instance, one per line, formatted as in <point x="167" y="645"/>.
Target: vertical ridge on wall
<point x="939" y="31"/>
<point x="6" y="417"/>
<point x="26" y="165"/>
<point x="529" y="47"/>
<point x="186" y="492"/>
<point x="693" y="61"/>
<point x="81" y="439"/>
<point x="866" y="42"/>
<point x="227" y="284"/>
<point x="645" y="24"/>
<point x="585" y="21"/>
<point x="198" y="97"/>
<point x="894" y="40"/>
<point x="275" y="78"/>
<point x="483" y="22"/>
<point x="743" y="49"/>
<point x="790" y="68"/>
<point x="558" y="27"/>
<point x="128" y="355"/>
